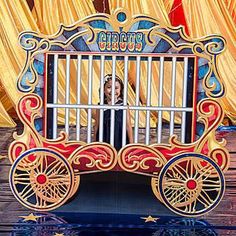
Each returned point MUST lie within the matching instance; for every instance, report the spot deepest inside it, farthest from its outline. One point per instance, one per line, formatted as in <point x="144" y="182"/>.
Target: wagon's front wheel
<point x="47" y="184"/>
<point x="191" y="184"/>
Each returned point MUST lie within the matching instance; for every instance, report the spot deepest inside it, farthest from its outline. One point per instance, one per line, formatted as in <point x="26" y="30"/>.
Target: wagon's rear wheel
<point x="154" y="184"/>
<point x="76" y="183"/>
<point x="187" y="190"/>
<point x="47" y="184"/>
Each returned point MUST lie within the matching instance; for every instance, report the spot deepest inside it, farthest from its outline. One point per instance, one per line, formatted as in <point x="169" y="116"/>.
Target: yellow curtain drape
<point x="231" y="6"/>
<point x="153" y="8"/>
<point x="5" y="119"/>
<point x="15" y="17"/>
<point x="66" y="12"/>
<point x="215" y="18"/>
<point x="168" y="5"/>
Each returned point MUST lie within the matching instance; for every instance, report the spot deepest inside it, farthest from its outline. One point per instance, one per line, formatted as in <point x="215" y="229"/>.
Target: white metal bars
<point x="101" y="111"/>
<point x="137" y="107"/>
<point x="137" y="98"/>
<point x="148" y="99"/>
<point x="55" y="96"/>
<point x="78" y="93"/>
<point x="67" y="95"/>
<point x="90" y="89"/>
<point x="125" y="103"/>
<point x="184" y="100"/>
<point x="112" y="128"/>
<point x="173" y="88"/>
<point x="161" y="84"/>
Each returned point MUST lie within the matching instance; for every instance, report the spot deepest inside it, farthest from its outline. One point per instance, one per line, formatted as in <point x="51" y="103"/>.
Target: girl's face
<point x="107" y="89"/>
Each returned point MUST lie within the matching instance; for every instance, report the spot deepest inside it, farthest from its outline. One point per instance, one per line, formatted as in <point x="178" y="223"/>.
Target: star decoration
<point x="30" y="217"/>
<point x="150" y="219"/>
<point x="58" y="234"/>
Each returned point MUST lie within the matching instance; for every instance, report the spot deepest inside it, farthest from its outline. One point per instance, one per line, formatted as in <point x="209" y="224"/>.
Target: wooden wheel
<point x="188" y="191"/>
<point x="47" y="184"/>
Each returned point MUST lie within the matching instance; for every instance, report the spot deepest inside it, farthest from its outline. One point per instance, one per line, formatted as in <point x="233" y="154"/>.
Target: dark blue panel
<point x="174" y="36"/>
<point x="202" y="71"/>
<point x="80" y="45"/>
<point x="38" y="124"/>
<point x="186" y="51"/>
<point x="162" y="46"/>
<point x="143" y="24"/>
<point x="39" y="66"/>
<point x="39" y="91"/>
<point x="56" y="48"/>
<point x="98" y="24"/>
<point x="201" y="95"/>
<point x="200" y="129"/>
<point x="68" y="34"/>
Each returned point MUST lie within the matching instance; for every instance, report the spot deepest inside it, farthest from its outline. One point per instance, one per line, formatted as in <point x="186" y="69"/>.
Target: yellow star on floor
<point x="58" y="234"/>
<point x="150" y="219"/>
<point x="31" y="217"/>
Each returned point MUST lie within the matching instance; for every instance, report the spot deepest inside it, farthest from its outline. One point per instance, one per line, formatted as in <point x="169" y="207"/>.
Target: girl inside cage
<point x="118" y="126"/>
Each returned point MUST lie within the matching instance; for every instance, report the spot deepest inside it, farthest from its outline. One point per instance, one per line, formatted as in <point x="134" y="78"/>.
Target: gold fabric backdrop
<point x="15" y="16"/>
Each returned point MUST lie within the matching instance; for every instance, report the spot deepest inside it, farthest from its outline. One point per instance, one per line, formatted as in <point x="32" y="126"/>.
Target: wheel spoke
<point x="55" y="167"/>
<point x="206" y="201"/>
<point x="172" y="201"/>
<point x="178" y="171"/>
<point x="203" y="172"/>
<point x="174" y="182"/>
<point x="48" y="167"/>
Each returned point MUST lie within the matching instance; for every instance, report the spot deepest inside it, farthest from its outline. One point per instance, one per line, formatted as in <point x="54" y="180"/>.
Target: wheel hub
<point x="191" y="184"/>
<point x="41" y="178"/>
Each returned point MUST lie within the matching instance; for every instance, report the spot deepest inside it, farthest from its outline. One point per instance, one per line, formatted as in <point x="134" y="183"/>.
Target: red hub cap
<point x="191" y="184"/>
<point x="41" y="179"/>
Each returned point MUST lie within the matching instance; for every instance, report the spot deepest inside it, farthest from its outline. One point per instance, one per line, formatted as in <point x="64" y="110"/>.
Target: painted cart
<point x="168" y="79"/>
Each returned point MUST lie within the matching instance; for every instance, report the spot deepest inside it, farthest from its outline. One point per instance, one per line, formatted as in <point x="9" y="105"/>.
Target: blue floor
<point x="123" y="201"/>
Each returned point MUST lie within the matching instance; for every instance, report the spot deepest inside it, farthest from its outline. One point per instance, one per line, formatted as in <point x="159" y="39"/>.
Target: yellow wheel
<point x="154" y="184"/>
<point x="187" y="191"/>
<point x="75" y="186"/>
<point x="47" y="184"/>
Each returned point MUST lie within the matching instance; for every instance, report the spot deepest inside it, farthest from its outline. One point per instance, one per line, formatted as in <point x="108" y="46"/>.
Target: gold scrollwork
<point x="136" y="157"/>
<point x="211" y="115"/>
<point x="28" y="110"/>
<point x="100" y="156"/>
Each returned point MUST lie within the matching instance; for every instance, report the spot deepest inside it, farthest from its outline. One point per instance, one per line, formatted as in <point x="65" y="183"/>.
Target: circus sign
<point x="123" y="41"/>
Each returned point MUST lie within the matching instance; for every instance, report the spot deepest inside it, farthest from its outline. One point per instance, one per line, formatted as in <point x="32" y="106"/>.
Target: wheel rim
<point x="188" y="191"/>
<point x="48" y="183"/>
<point x="154" y="184"/>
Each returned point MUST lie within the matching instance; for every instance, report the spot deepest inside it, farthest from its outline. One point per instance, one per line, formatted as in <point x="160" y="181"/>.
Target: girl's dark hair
<point x="108" y="77"/>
